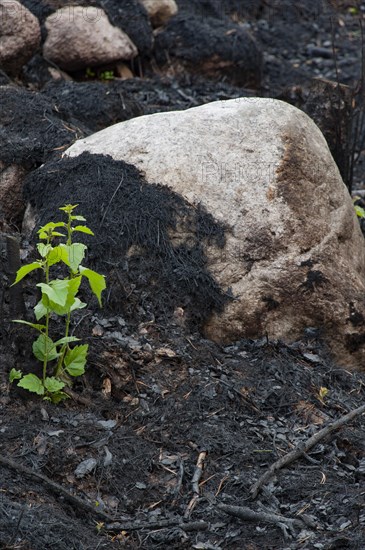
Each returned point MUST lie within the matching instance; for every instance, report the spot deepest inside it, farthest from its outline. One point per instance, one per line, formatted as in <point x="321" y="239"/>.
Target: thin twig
<point x="303" y="448"/>
<point x="198" y="471"/>
<point x="195" y="483"/>
<point x="55" y="487"/>
<point x="242" y="512"/>
<point x="162" y="524"/>
<point x="78" y="398"/>
<point x="111" y="200"/>
<point x="112" y="523"/>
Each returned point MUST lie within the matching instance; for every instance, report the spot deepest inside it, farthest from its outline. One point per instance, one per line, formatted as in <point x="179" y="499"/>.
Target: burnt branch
<point x="303" y="448"/>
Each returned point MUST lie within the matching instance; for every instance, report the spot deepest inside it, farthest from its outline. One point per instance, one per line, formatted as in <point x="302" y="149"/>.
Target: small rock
<point x="121" y="321"/>
<point x="108" y="457"/>
<point x="107" y="424"/>
<point x="126" y="341"/>
<point x="44" y="414"/>
<point x="160" y="11"/>
<point x="11" y="181"/>
<point x="165" y="352"/>
<point x="344" y="525"/>
<point x="362" y="466"/>
<point x="85" y="467"/>
<point x="312" y="357"/>
<point x="105" y="323"/>
<point x="97" y="331"/>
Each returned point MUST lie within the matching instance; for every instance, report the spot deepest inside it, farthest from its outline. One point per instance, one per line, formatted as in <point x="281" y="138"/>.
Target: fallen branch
<point x="113" y="525"/>
<point x="195" y="483"/>
<point x="303" y="448"/>
<point x="162" y="524"/>
<point x="285" y="524"/>
<point x="55" y="487"/>
<point x="78" y="398"/>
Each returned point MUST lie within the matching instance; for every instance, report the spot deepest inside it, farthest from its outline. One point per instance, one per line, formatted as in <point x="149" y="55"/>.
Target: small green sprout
<point x="89" y="73"/>
<point x="58" y="297"/>
<point x="107" y="75"/>
<point x="360" y="212"/>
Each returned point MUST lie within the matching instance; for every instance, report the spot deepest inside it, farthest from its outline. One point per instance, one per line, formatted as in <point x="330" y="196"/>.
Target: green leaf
<point x="68" y="208"/>
<point x="78" y="218"/>
<point x="360" y="212"/>
<point x="83" y="229"/>
<point x="75" y="255"/>
<point x="56" y="397"/>
<point x="44" y="348"/>
<point x="24" y="270"/>
<point x="64" y="288"/>
<point x="77" y="304"/>
<point x="32" y="383"/>
<point x="96" y="281"/>
<point x="57" y="254"/>
<point x="43" y="249"/>
<point x="40" y="310"/>
<point x="66" y="340"/>
<point x="15" y="375"/>
<point x="33" y="325"/>
<point x="48" y="230"/>
<point x="75" y="360"/>
<point x="56" y="293"/>
<point x="52" y="384"/>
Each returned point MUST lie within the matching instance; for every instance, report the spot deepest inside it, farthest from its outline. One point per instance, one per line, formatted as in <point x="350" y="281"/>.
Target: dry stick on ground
<point x="303" y="448"/>
<point x="162" y="524"/>
<point x="285" y="524"/>
<point x="113" y="525"/>
<point x="78" y="398"/>
<point x="55" y="487"/>
<point x="195" y="483"/>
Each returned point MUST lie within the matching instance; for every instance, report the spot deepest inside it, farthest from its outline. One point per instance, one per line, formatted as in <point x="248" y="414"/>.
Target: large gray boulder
<point x="294" y="255"/>
<point x="20" y="35"/>
<point x="79" y="37"/>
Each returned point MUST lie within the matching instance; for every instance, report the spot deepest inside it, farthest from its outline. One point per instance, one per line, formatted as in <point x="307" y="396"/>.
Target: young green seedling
<point x="58" y="297"/>
<point x="360" y="212"/>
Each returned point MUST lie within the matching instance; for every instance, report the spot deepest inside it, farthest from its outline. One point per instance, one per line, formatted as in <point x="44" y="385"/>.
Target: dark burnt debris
<point x="315" y="278"/>
<point x="31" y="129"/>
<point x="175" y="402"/>
<point x="134" y="223"/>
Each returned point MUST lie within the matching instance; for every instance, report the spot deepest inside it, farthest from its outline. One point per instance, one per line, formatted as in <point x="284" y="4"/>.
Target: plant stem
<point x="68" y="317"/>
<point x="69" y="230"/>
<point x="64" y="347"/>
<point x="45" y="361"/>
